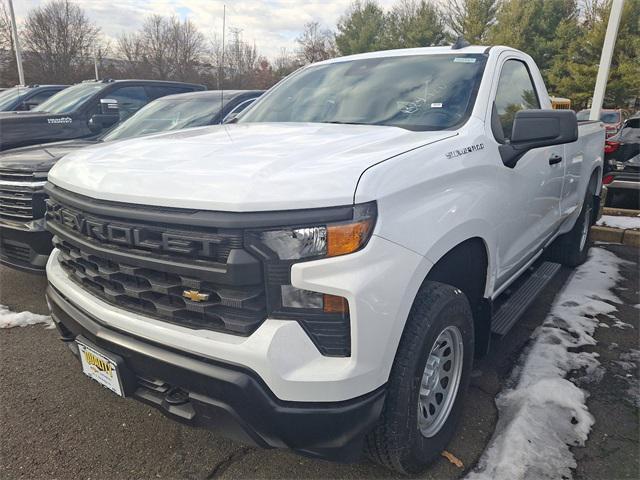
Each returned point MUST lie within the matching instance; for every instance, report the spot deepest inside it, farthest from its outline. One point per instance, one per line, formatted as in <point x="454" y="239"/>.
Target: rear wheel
<point x="572" y="248"/>
<point x="428" y="380"/>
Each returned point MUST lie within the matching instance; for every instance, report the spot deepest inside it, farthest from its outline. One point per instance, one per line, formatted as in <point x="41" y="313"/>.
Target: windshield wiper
<point x="336" y="122"/>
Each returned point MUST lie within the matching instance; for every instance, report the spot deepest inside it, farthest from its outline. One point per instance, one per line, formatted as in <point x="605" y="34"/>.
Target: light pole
<point x="16" y="43"/>
<point x="605" y="58"/>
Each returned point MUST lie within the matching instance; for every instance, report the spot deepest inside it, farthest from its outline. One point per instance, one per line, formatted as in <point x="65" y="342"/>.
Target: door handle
<point x="555" y="158"/>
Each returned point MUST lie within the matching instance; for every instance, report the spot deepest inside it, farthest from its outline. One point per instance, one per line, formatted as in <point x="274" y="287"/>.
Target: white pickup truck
<point x="320" y="275"/>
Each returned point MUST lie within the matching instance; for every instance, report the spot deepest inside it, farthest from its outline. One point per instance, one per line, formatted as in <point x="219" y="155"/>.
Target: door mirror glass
<point x="536" y="129"/>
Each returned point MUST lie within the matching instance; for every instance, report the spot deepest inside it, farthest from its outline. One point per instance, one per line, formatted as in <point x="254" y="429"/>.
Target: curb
<point x="629" y="237"/>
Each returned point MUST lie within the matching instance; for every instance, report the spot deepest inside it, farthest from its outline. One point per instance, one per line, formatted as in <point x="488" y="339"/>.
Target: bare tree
<point x="189" y="46"/>
<point x="315" y="44"/>
<point x="61" y="40"/>
<point x="285" y="63"/>
<point x="240" y="61"/>
<point x="130" y="48"/>
<point x="164" y="48"/>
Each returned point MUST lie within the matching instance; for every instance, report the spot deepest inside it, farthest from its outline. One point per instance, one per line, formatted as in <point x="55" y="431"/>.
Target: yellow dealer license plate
<point x="100" y="368"/>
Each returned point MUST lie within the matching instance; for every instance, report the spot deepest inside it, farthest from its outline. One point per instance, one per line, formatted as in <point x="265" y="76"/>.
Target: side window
<point x="515" y="92"/>
<point x="130" y="100"/>
<point x="157" y="91"/>
<point x="241" y="106"/>
<point x="41" y="96"/>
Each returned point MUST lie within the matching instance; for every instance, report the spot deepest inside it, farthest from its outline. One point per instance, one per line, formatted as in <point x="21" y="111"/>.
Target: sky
<point x="271" y="24"/>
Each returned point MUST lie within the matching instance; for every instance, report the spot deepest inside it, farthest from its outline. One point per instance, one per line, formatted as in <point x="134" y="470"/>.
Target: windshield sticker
<point x="436" y="105"/>
<point x="464" y="60"/>
<point x="464" y="151"/>
<point x="60" y="120"/>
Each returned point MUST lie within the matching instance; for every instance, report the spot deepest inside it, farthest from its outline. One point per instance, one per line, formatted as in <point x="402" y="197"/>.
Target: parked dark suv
<point x="24" y="242"/>
<point x="83" y="110"/>
<point x="26" y="97"/>
<point x="622" y="162"/>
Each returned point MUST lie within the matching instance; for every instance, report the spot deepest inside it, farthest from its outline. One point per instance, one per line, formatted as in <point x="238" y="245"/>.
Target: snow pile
<point x="543" y="413"/>
<point x="9" y="319"/>
<point x="624" y="223"/>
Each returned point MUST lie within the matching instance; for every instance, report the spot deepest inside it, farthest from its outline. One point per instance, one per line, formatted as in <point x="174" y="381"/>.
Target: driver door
<point x="531" y="212"/>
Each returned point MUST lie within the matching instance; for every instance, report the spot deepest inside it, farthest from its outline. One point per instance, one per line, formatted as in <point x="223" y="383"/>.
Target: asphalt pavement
<point x="56" y="423"/>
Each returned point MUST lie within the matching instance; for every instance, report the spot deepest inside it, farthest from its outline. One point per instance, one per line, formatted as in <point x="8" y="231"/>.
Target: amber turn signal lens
<point x="335" y="304"/>
<point x="343" y="239"/>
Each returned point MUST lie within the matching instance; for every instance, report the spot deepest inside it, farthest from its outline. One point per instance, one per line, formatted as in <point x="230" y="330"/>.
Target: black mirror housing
<point x="99" y="121"/>
<point x="536" y="129"/>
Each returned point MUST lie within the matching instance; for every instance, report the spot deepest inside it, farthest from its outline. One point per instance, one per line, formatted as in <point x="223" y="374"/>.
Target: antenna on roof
<point x="221" y="72"/>
<point x="460" y="43"/>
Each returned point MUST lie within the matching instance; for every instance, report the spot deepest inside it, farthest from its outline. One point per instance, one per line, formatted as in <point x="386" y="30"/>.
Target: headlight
<point x="329" y="240"/>
<point x="325" y="317"/>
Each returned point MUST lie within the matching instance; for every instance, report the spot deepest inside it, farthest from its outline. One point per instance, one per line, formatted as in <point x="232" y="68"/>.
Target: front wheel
<point x="428" y="380"/>
<point x="572" y="248"/>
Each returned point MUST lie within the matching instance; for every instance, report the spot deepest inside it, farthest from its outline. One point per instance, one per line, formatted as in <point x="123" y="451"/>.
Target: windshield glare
<point x="9" y="96"/>
<point x="166" y="115"/>
<point x="70" y="98"/>
<point x="417" y="92"/>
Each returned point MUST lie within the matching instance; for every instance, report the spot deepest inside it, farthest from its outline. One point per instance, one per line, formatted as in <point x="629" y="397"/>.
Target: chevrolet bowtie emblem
<point x="195" y="296"/>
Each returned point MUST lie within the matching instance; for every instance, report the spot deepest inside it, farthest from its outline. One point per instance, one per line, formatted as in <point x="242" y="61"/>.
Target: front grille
<point x="197" y="269"/>
<point x="15" y="251"/>
<point x="146" y="267"/>
<point x="21" y="196"/>
<point x="159" y="294"/>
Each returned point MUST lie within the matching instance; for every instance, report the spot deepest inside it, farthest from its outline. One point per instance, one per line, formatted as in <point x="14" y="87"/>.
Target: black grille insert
<point x="238" y="310"/>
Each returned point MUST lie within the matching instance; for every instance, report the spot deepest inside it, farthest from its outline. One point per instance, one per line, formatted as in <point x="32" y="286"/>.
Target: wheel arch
<point x="466" y="266"/>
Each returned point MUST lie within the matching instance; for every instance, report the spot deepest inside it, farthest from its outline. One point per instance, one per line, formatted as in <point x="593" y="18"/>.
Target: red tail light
<point x="611" y="146"/>
<point x="607" y="179"/>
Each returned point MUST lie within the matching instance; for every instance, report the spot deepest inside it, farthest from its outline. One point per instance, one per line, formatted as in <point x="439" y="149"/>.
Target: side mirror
<point x="109" y="106"/>
<point x="30" y="105"/>
<point x="100" y="121"/>
<point x="536" y="129"/>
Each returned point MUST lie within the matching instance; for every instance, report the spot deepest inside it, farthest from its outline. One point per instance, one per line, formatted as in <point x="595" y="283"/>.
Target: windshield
<point x="605" y="117"/>
<point x="70" y="98"/>
<point x="416" y="92"/>
<point x="9" y="96"/>
<point x="165" y="115"/>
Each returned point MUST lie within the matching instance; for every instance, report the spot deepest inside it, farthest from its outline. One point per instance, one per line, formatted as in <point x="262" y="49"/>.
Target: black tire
<point x="569" y="249"/>
<point x="397" y="441"/>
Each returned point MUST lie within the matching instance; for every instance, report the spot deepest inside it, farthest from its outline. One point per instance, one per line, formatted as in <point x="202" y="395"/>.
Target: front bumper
<point x="627" y="179"/>
<point x="25" y="246"/>
<point x="224" y="397"/>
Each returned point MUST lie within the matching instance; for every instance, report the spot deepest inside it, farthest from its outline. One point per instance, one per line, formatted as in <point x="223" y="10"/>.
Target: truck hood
<point x="40" y="158"/>
<point x="240" y="167"/>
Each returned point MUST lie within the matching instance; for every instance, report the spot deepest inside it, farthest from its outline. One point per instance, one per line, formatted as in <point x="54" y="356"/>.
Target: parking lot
<point x="56" y="423"/>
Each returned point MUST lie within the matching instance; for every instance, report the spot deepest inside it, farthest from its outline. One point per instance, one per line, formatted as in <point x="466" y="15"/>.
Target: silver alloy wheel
<point x="440" y="381"/>
<point x="585" y="228"/>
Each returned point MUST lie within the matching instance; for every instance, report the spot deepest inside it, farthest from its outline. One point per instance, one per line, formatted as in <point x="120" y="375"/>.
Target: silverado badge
<point x="195" y="296"/>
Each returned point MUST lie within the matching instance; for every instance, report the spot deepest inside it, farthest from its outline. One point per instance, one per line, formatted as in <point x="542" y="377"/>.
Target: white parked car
<point x="320" y="275"/>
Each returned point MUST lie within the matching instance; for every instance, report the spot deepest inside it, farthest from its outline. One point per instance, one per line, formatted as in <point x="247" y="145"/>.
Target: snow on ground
<point x="619" y="222"/>
<point x="542" y="413"/>
<point x="9" y="319"/>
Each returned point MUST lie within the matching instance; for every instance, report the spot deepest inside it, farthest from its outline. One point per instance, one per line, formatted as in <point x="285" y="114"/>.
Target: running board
<point x="518" y="302"/>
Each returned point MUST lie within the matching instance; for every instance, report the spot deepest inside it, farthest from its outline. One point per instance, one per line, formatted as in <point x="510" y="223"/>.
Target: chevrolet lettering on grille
<point x="132" y="236"/>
